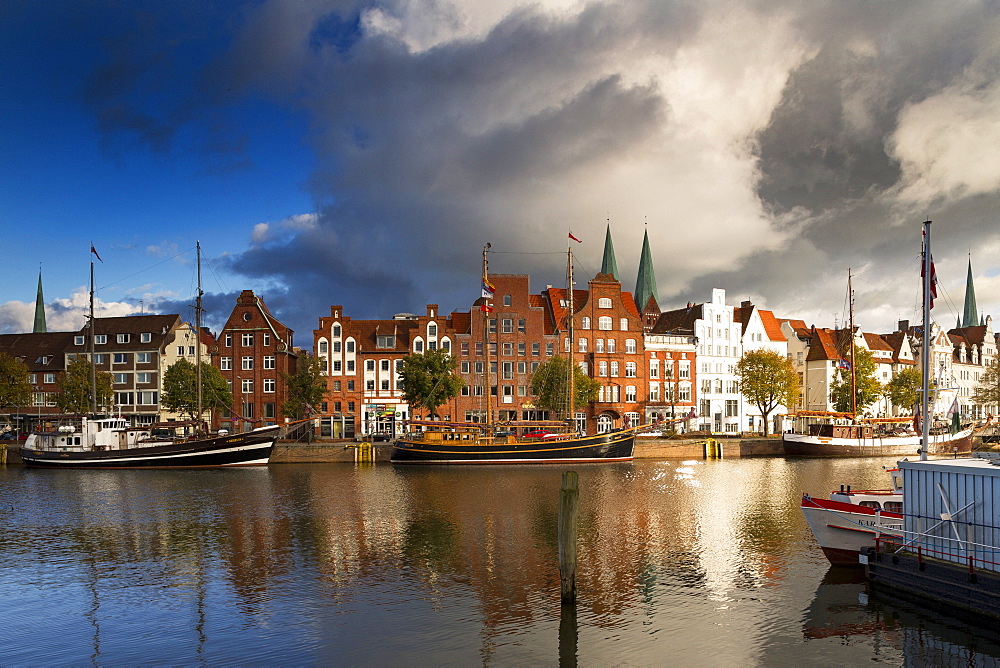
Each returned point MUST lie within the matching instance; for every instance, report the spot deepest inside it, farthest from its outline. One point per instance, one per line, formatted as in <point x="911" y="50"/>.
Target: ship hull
<point x="808" y="445"/>
<point x="248" y="449"/>
<point x="843" y="529"/>
<point x="610" y="447"/>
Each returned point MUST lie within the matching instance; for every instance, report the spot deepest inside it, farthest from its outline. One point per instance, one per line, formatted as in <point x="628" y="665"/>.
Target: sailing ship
<point x="95" y="441"/>
<point x="433" y="442"/>
<point x="845" y="435"/>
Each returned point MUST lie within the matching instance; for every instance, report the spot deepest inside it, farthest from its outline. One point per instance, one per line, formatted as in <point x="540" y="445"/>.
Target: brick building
<point x="253" y="351"/>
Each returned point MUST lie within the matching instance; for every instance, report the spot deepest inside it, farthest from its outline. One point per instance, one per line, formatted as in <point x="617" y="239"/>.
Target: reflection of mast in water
<point x="91" y="613"/>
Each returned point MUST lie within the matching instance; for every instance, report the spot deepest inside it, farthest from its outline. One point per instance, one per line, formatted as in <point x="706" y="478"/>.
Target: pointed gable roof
<point x="645" y="282"/>
<point x="609" y="265"/>
<point x="970" y="316"/>
<point x="39" y="326"/>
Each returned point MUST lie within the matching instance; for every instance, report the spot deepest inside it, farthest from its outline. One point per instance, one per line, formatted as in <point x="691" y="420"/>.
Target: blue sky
<point x="362" y="153"/>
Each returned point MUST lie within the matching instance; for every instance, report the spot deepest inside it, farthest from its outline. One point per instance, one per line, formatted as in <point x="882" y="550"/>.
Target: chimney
<point x="904" y="325"/>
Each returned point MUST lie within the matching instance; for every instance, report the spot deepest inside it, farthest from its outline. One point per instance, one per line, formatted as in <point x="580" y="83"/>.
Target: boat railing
<point x="945" y="548"/>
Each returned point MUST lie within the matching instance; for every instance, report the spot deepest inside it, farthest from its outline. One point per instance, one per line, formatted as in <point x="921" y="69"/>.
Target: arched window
<point x="604" y="424"/>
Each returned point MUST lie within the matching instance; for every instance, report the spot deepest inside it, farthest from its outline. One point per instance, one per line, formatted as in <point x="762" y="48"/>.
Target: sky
<point x="362" y="153"/>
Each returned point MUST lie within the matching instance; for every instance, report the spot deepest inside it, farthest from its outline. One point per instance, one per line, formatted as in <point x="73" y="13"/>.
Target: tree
<point x="550" y="383"/>
<point x="988" y="390"/>
<point x="75" y="392"/>
<point x="180" y="389"/>
<point x="903" y="389"/>
<point x="428" y="379"/>
<point x="767" y="380"/>
<point x="15" y="390"/>
<point x="306" y="387"/>
<point x="868" y="388"/>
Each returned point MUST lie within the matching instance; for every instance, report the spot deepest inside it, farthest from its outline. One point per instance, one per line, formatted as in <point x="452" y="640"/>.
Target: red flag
<point x="94" y="251"/>
<point x="574" y="238"/>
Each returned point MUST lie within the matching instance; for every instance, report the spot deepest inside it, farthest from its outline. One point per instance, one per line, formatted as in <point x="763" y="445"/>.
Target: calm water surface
<point x="681" y="563"/>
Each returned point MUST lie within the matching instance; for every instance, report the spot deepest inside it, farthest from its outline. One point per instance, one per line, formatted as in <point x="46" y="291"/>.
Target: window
<point x="611" y="345"/>
<point x="418" y="346"/>
<point x="623" y="324"/>
<point x="144" y="377"/>
<point x="446" y="344"/>
<point x="79" y="340"/>
<point x="349" y="347"/>
<point x="507" y="326"/>
<point x="465" y="367"/>
<point x="385" y="385"/>
<point x="145" y="337"/>
<point x="520" y="326"/>
<point x="581" y="345"/>
<point x="521" y="349"/>
<point x="247" y="339"/>
<point x="267" y="339"/>
<point x="269" y="410"/>
<point x="522" y="367"/>
<point x="654" y="369"/>
<point x="247" y="385"/>
<point x="614" y="369"/>
<point x="598" y="345"/>
<point x="535" y="349"/>
<point x="226" y="363"/>
<point x="508" y="370"/>
<point x="121" y="358"/>
<point x="706" y="386"/>
<point x="654" y="391"/>
<point x="385" y="365"/>
<point x="493" y="325"/>
<point x="247" y="410"/>
<point x="506" y="300"/>
<point x="350" y="388"/>
<point x="370" y="385"/>
<point x="323" y="347"/>
<point x="630" y="393"/>
<point x="685" y="370"/>
<point x="732" y="408"/>
<point x="143" y="358"/>
<point x="603" y="302"/>
<point x="101" y="358"/>
<point x="630" y="369"/>
<point x="508" y="349"/>
<point x="336" y="387"/>
<point x="269" y="385"/>
<point x="604" y="322"/>
<point x="247" y="363"/>
<point x="685" y="392"/>
<point x="350" y="406"/>
<point x="602" y="368"/>
<point x="148" y="398"/>
<point x="124" y="338"/>
<point x="584" y="322"/>
<point x="49" y="378"/>
<point x="550" y="349"/>
<point x="100" y="339"/>
<point x="464" y="349"/>
<point x="335" y="331"/>
<point x="180" y="351"/>
<point x="125" y="398"/>
<point x="432" y="330"/>
<point x="269" y="361"/>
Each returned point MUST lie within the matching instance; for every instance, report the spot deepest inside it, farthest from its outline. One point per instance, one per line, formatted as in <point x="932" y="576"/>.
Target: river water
<point x="681" y="563"/>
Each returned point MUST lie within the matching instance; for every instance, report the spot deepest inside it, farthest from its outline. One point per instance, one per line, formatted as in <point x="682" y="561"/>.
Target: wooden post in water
<point x="569" y="501"/>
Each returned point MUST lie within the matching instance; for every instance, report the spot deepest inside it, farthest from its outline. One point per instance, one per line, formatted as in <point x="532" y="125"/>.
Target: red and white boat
<point x="850" y="520"/>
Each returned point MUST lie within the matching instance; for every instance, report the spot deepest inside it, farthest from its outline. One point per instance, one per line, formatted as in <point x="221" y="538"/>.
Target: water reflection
<point x="697" y="561"/>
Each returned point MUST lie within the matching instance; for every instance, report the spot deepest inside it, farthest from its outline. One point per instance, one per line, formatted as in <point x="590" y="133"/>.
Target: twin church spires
<point x="645" y="282"/>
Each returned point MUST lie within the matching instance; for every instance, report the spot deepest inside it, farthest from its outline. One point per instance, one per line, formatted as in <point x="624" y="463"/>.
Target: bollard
<point x="569" y="499"/>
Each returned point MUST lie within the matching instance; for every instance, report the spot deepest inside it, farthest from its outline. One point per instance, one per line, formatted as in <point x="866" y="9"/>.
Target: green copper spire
<point x="971" y="316"/>
<point x="39" y="327"/>
<point x="609" y="265"/>
<point x="645" y="283"/>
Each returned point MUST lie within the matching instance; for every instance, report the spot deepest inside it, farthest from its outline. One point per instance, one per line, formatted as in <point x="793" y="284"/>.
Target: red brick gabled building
<point x="253" y="351"/>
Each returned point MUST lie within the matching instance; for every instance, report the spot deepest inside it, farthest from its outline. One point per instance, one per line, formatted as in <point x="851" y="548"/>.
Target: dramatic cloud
<point x="765" y="147"/>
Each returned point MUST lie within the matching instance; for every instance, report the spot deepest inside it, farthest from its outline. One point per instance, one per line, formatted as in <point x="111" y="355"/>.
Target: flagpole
<point x="925" y="356"/>
<point x="93" y="335"/>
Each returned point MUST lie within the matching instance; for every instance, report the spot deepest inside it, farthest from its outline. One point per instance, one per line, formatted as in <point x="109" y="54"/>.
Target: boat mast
<point x="854" y="373"/>
<point x="925" y="353"/>
<point x="487" y="380"/>
<point x="197" y="341"/>
<point x="570" y="396"/>
<point x="93" y="335"/>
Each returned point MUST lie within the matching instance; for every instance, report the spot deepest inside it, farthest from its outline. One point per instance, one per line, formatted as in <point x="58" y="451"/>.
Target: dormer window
<point x="145" y="337"/>
<point x="44" y="359"/>
<point x="385" y="341"/>
<point x="124" y="338"/>
<point x="79" y="340"/>
<point x="100" y="339"/>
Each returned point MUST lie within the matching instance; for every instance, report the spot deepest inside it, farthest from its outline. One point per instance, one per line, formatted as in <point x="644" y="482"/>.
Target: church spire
<point x="970" y="317"/>
<point x="39" y="327"/>
<point x="609" y="265"/>
<point x="645" y="283"/>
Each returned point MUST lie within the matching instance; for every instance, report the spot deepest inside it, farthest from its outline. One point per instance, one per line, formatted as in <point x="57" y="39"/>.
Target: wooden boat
<point x="433" y="442"/>
<point x="829" y="439"/>
<point x="471" y="443"/>
<point x="849" y="521"/>
<point x="83" y="442"/>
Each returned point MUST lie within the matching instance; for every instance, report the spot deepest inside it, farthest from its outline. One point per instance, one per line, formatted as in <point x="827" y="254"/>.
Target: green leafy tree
<point x="988" y="390"/>
<point x="180" y="389"/>
<point x="868" y="388"/>
<point x="74" y="388"/>
<point x="15" y="390"/>
<point x="767" y="380"/>
<point x="903" y="389"/>
<point x="306" y="387"/>
<point x="428" y="379"/>
<point x="550" y="383"/>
